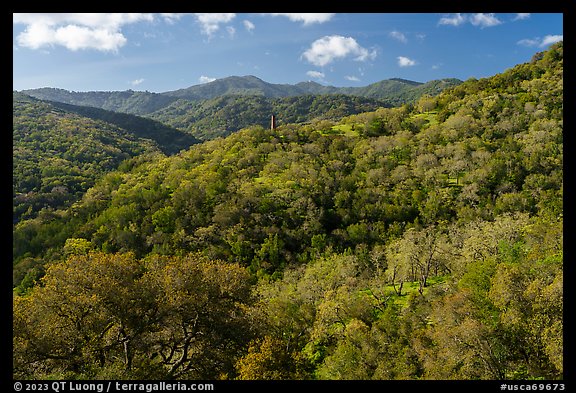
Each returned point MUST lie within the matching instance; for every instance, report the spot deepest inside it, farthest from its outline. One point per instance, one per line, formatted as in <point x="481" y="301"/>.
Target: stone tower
<point x="273" y="123"/>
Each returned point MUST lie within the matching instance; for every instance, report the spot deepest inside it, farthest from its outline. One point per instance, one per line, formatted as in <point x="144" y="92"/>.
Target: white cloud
<point x="85" y="19"/>
<point x="480" y="19"/>
<point x="352" y="78"/>
<point x="405" y="61"/>
<point x="171" y="17"/>
<point x="206" y="79"/>
<point x="76" y="37"/>
<point x="551" y="39"/>
<point x="454" y="20"/>
<point x="398" y="36"/>
<point x="521" y="16"/>
<point x="528" y="42"/>
<point x="248" y="25"/>
<point x="210" y="22"/>
<point x="306" y="19"/>
<point x="325" y="50"/>
<point x="97" y="31"/>
<point x="484" y="20"/>
<point x="36" y="36"/>
<point x="137" y="82"/>
<point x="541" y="42"/>
<point x="315" y="74"/>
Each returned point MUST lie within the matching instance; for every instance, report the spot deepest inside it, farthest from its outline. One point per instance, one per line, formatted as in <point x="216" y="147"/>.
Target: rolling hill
<point x="395" y="91"/>
<point x="59" y="150"/>
<point x="420" y="242"/>
<point x="227" y="105"/>
<point x="392" y="91"/>
<point x="223" y="115"/>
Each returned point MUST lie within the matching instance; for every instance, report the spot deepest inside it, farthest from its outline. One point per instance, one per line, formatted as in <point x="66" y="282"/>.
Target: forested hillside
<point x="416" y="242"/>
<point x="222" y="116"/>
<point x="169" y="140"/>
<point x="59" y="150"/>
<point x="227" y="105"/>
<point x="129" y="101"/>
<point x="393" y="91"/>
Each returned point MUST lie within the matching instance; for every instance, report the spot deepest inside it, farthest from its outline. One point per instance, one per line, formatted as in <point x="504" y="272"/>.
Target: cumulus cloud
<point x="137" y="82"/>
<point x="551" y="39"/>
<point x="405" y="61"/>
<point x="454" y="20"/>
<point x="306" y="19"/>
<point x="85" y="19"/>
<point x="529" y="42"/>
<point x="171" y="17"/>
<point x="210" y="22"/>
<point x="206" y="79"/>
<point x="521" y="16"/>
<point x="325" y="50"/>
<point x="315" y="74"/>
<point x="484" y="20"/>
<point x="77" y="31"/>
<point x="248" y="25"/>
<point x="541" y="42"/>
<point x="352" y="78"/>
<point x="398" y="36"/>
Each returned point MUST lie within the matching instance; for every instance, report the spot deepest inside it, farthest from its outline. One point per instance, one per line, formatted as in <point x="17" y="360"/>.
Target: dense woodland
<point x="224" y="115"/>
<point x="60" y="150"/>
<point x="423" y="241"/>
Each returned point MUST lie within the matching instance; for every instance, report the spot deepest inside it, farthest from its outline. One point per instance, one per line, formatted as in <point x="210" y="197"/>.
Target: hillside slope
<point x="392" y="91"/>
<point x="129" y="101"/>
<point x="224" y="115"/>
<point x="227" y="105"/>
<point x="422" y="242"/>
<point x="169" y="140"/>
<point x="59" y="150"/>
<point x="484" y="147"/>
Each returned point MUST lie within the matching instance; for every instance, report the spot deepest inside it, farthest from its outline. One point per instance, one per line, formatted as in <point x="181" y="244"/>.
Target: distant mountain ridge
<point x="394" y="88"/>
<point x="226" y="105"/>
<point x="395" y="91"/>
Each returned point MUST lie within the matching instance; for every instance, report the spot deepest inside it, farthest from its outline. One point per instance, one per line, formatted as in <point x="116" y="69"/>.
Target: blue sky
<point x="163" y="52"/>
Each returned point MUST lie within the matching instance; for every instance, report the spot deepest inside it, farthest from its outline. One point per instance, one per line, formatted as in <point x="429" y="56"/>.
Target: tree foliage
<point x="112" y="315"/>
<point x="59" y="150"/>
<point x="417" y="242"/>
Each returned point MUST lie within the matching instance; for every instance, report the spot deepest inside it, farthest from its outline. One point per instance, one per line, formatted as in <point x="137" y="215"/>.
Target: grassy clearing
<point x="344" y="129"/>
<point x="425" y="119"/>
<point x="410" y="289"/>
